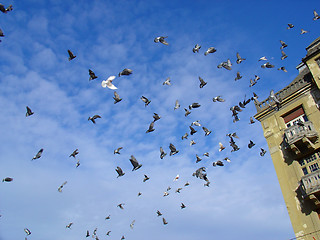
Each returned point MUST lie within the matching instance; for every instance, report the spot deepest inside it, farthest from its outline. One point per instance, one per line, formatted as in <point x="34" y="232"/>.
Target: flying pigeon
<point x="146" y="178"/>
<point x="178" y="190"/>
<point x="202" y="82"/>
<point x="132" y="223"/>
<point x="251" y="120"/>
<point x="27" y="231"/>
<point x="139" y="194"/>
<point x="227" y="65"/>
<point x="227" y="159"/>
<point x="200" y="173"/>
<point x="194" y="105"/>
<point x="210" y="50"/>
<point x="122" y="238"/>
<point x="283" y="44"/>
<point x="5" y="10"/>
<point x="282" y="69"/>
<point x="135" y="163"/>
<point x="186" y="184"/>
<point x="239" y="59"/>
<point x="88" y="234"/>
<point x="108" y="233"/>
<point x="150" y="129"/>
<point x="185" y="136"/>
<point x="162" y="153"/>
<point x="267" y="65"/>
<point x="78" y="163"/>
<point x="206" y="131"/>
<point x="108" y="83"/>
<point x="119" y="171"/>
<point x="221" y="147"/>
<point x="107" y="218"/>
<point x="316" y="15"/>
<point x="61" y="186"/>
<point x="1" y="33"/>
<point x="284" y="55"/>
<point x="165" y="194"/>
<point x="303" y="31"/>
<point x="262" y="59"/>
<point x="161" y="39"/>
<point x="69" y="225"/>
<point x="120" y="205"/>
<point x="71" y="56"/>
<point x="156" y="117"/>
<point x="251" y="144"/>
<point x="175" y="179"/>
<point x="117" y="151"/>
<point x="177" y="105"/>
<point x="92" y="75"/>
<point x="206" y="184"/>
<point x="116" y="97"/>
<point x="38" y="155"/>
<point x="125" y="71"/>
<point x="218" y="99"/>
<point x="173" y="149"/>
<point x="233" y="145"/>
<point x="196" y="123"/>
<point x="7" y="179"/>
<point x="167" y="82"/>
<point x="74" y="153"/>
<point x="159" y="213"/>
<point x="206" y="154"/>
<point x="290" y="26"/>
<point x="182" y="206"/>
<point x="93" y="118"/>
<point x="164" y="221"/>
<point x="192" y="130"/>
<point x="218" y="163"/>
<point x="29" y="112"/>
<point x="196" y="48"/>
<point x="145" y="100"/>
<point x="187" y="112"/>
<point x="198" y="158"/>
<point x="263" y="152"/>
<point x="238" y="77"/>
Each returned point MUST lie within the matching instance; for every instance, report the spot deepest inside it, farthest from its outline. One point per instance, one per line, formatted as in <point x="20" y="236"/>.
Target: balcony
<point x="310" y="185"/>
<point x="301" y="138"/>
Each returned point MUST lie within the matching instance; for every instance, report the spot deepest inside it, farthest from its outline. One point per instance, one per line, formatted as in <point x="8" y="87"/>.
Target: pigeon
<point x="1" y="33"/>
<point x="187" y="112"/>
<point x="178" y="190"/>
<point x="173" y="149"/>
<point x="263" y="152"/>
<point x="7" y="179"/>
<point x="206" y="184"/>
<point x="252" y="83"/>
<point x="156" y="117"/>
<point x="233" y="145"/>
<point x="27" y="231"/>
<point x="120" y="205"/>
<point x="167" y="82"/>
<point x="29" y="112"/>
<point x="177" y="105"/>
<point x="186" y="184"/>
<point x="116" y="97"/>
<point x="92" y="75"/>
<point x="267" y="65"/>
<point x="194" y="105"/>
<point x="117" y="151"/>
<point x="206" y="131"/>
<point x="5" y="10"/>
<point x="175" y="179"/>
<point x="192" y="142"/>
<point x="120" y="172"/>
<point x="282" y="69"/>
<point x="161" y="39"/>
<point x="227" y="65"/>
<point x="185" y="136"/>
<point x="182" y="206"/>
<point x="227" y="159"/>
<point x="108" y="233"/>
<point x="239" y="59"/>
<point x="196" y="123"/>
<point x="159" y="213"/>
<point x="150" y="129"/>
<point x="145" y="100"/>
<point x="218" y="99"/>
<point x="283" y="44"/>
<point x="61" y="186"/>
<point x="122" y="238"/>
<point x="202" y="82"/>
<point x="135" y="163"/>
<point x="251" y="120"/>
<point x="78" y="163"/>
<point x="290" y="26"/>
<point x="200" y="173"/>
<point x="164" y="221"/>
<point x="162" y="153"/>
<point x="146" y="178"/>
<point x="303" y="31"/>
<point x="251" y="144"/>
<point x="132" y="223"/>
<point x="210" y="50"/>
<point x="238" y="77"/>
<point x="139" y="194"/>
<point x="198" y="158"/>
<point x="196" y="48"/>
<point x="88" y="234"/>
<point x="108" y="83"/>
<point x="221" y="147"/>
<point x="165" y="194"/>
<point x="232" y="135"/>
<point x="38" y="155"/>
<point x="94" y="232"/>
<point x="192" y="130"/>
<point x="125" y="71"/>
<point x="284" y="55"/>
<point x="93" y="118"/>
<point x="69" y="225"/>
<point x="107" y="218"/>
<point x="262" y="59"/>
<point x="206" y="154"/>
<point x="74" y="153"/>
<point x="274" y="98"/>
<point x="218" y="163"/>
<point x="316" y="15"/>
<point x="71" y="55"/>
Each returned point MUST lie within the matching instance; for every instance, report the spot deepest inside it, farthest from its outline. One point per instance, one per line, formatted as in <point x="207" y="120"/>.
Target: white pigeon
<point x="108" y="83"/>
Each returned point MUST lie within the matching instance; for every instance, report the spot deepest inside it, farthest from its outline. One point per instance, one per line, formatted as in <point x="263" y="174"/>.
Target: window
<point x="314" y="167"/>
<point x="305" y="171"/>
<point x="295" y="116"/>
<point x="310" y="163"/>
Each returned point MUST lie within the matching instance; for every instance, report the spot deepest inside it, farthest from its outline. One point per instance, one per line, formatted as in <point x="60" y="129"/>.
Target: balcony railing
<point x="311" y="183"/>
<point x="296" y="132"/>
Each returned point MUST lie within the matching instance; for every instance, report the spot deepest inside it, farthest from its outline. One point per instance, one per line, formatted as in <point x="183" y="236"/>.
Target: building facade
<point x="292" y="133"/>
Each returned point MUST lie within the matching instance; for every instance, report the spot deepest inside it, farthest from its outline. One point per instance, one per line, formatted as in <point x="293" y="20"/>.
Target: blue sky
<point x="244" y="200"/>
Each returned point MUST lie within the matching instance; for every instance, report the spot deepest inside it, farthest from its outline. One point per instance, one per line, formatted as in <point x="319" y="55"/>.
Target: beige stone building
<point x="292" y="132"/>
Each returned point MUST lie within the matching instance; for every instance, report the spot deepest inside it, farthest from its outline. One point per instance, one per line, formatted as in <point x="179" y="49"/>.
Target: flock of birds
<point x="193" y="128"/>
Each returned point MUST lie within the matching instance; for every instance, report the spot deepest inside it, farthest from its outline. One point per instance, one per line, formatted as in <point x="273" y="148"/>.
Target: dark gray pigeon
<point x="92" y="75"/>
<point x="125" y="71"/>
<point x="194" y="105"/>
<point x="239" y="58"/>
<point x="116" y="98"/>
<point x="29" y="112"/>
<point x="120" y="172"/>
<point x="210" y="50"/>
<point x="150" y="129"/>
<point x="173" y="149"/>
<point x="71" y="55"/>
<point x="145" y="100"/>
<point x="162" y="153"/>
<point x="161" y="39"/>
<point x="38" y="155"/>
<point x="196" y="48"/>
<point x="117" y="151"/>
<point x="93" y="118"/>
<point x="202" y="82"/>
<point x="135" y="163"/>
